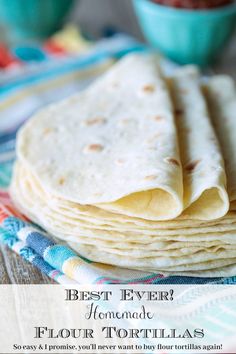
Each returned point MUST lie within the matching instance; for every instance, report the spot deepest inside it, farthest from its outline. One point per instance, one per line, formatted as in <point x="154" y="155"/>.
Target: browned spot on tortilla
<point x="150" y="178"/>
<point x="148" y="88"/>
<point x="98" y="120"/>
<point x="93" y="148"/>
<point x="172" y="160"/>
<point x="114" y="84"/>
<point x="47" y="131"/>
<point x="61" y="181"/>
<point x="191" y="166"/>
<point x="120" y="161"/>
<point x="158" y="118"/>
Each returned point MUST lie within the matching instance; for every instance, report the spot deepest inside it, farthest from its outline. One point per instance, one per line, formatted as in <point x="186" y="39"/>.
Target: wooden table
<point x="93" y="16"/>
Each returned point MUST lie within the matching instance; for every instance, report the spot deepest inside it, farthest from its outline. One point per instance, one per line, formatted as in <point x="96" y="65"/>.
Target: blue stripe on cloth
<point x="13" y="225"/>
<point x="5" y="137"/>
<point x="7" y="146"/>
<point x="137" y="48"/>
<point x="229" y="281"/>
<point x="57" y="255"/>
<point x="42" y="265"/>
<point x="39" y="242"/>
<point x="182" y="280"/>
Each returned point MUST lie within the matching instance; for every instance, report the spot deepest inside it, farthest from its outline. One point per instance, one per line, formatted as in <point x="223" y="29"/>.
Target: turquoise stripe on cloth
<point x="57" y="255"/>
<point x="5" y="173"/>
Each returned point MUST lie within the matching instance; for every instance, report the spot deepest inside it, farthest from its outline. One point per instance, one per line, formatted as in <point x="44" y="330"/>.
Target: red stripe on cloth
<point x="3" y="214"/>
<point x="7" y="207"/>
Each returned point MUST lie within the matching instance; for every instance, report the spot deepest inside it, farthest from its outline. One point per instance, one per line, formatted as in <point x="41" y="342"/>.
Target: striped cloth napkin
<point x="22" y="92"/>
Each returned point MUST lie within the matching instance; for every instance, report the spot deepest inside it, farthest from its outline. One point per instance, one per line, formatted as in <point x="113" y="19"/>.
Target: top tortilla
<point x="116" y="142"/>
<point x="115" y="146"/>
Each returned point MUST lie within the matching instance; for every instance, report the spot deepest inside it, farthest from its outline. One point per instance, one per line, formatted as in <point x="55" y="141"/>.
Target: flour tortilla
<point x="180" y="252"/>
<point x="115" y="145"/>
<point x="201" y="260"/>
<point x="209" y="268"/>
<point x="221" y="95"/>
<point x="73" y="225"/>
<point x="205" y="195"/>
<point x="123" y="140"/>
<point x="92" y="217"/>
<point x="222" y="271"/>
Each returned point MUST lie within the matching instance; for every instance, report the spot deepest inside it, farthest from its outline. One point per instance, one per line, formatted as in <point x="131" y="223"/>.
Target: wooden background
<point x="93" y="16"/>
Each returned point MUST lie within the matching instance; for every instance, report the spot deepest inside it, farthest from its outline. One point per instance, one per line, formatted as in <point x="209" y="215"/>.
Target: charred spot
<point x="95" y="121"/>
<point x="191" y="166"/>
<point x="158" y="118"/>
<point x="149" y="88"/>
<point x="61" y="181"/>
<point x="94" y="148"/>
<point x="172" y="161"/>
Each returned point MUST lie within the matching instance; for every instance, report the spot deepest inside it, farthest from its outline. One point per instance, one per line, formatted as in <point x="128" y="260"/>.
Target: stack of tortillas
<point x="137" y="171"/>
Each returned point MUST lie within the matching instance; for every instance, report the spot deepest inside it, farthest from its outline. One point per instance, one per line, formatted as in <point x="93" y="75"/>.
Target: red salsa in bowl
<point x="194" y="4"/>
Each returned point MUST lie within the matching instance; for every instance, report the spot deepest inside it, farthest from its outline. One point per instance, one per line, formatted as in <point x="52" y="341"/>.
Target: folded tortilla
<point x="27" y="191"/>
<point x="221" y="96"/>
<point x="115" y="145"/>
<point x="205" y="195"/>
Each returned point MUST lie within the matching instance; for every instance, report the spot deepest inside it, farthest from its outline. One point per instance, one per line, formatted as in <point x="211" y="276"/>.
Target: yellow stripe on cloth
<point x="71" y="266"/>
<point x="54" y="83"/>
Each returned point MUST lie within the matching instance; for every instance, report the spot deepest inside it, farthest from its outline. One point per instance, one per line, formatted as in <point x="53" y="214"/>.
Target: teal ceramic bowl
<point x="33" y="18"/>
<point x="186" y="36"/>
